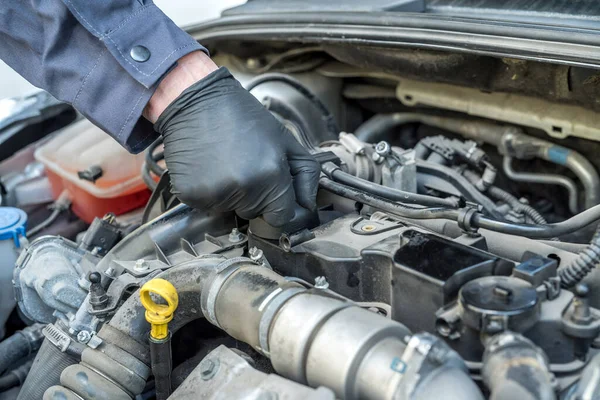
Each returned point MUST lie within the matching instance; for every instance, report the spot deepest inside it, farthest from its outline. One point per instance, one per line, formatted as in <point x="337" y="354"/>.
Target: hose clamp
<point x="465" y="217"/>
<point x="223" y="271"/>
<point x="271" y="306"/>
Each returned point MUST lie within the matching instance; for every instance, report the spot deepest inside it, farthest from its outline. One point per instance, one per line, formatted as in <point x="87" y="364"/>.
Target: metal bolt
<point x="255" y="253"/>
<point x="235" y="236"/>
<point x="141" y="266"/>
<point x="208" y="369"/>
<point x="321" y="283"/>
<point x="383" y="148"/>
<point x="83" y="337"/>
<point x="110" y="271"/>
<point x="368" y="228"/>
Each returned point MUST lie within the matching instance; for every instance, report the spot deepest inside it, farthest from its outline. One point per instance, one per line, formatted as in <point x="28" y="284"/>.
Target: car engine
<point x="453" y="254"/>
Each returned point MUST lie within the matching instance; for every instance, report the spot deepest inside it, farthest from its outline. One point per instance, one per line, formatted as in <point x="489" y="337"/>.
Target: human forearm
<point x="189" y="69"/>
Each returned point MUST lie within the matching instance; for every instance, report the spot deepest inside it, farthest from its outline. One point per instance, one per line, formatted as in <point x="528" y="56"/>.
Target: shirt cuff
<point x="114" y="101"/>
<point x="147" y="43"/>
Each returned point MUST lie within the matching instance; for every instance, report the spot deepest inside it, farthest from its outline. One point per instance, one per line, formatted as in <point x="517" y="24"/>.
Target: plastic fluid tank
<point x="13" y="222"/>
<point x="85" y="148"/>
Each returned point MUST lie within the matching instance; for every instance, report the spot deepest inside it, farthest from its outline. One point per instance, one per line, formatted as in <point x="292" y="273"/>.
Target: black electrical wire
<point x="475" y="220"/>
<point x="585" y="262"/>
<point x="332" y="170"/>
<point x="147" y="177"/>
<point x="300" y="87"/>
<point x="152" y="159"/>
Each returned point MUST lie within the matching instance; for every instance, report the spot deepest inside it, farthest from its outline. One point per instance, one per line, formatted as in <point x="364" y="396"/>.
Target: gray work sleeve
<point x="105" y="57"/>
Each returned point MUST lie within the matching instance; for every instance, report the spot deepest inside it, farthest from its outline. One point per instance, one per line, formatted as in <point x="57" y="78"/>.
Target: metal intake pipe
<point x="311" y="336"/>
<point x="320" y="340"/>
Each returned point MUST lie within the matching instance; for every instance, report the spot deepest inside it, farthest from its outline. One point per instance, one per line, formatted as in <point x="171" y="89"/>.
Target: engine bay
<point x="453" y="253"/>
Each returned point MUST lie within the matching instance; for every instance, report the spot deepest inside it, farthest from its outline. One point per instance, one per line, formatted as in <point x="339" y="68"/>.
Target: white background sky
<point x="183" y="12"/>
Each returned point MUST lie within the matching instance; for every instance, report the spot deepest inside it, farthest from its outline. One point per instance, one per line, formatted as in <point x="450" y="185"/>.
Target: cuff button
<point x="140" y="53"/>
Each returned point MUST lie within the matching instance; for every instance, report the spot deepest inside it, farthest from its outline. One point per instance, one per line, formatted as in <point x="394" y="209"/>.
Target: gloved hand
<point x="225" y="152"/>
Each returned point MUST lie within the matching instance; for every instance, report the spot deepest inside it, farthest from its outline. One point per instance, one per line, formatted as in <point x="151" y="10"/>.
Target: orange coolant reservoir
<point x="77" y="148"/>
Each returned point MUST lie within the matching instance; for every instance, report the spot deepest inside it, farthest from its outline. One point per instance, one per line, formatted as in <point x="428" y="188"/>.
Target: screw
<point x="141" y="266"/>
<point x="368" y="228"/>
<point x="83" y="337"/>
<point x="235" y="236"/>
<point x="321" y="283"/>
<point x="383" y="148"/>
<point x="110" y="271"/>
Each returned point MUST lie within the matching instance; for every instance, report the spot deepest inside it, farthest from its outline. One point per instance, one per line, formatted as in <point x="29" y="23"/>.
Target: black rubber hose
<point x="18" y="346"/>
<point x="585" y="262"/>
<point x="332" y="126"/>
<point x="385" y="205"/>
<point x="476" y="220"/>
<point x="549" y="231"/>
<point x="15" y="377"/>
<point x="332" y="170"/>
<point x="9" y="381"/>
<point x="515" y="204"/>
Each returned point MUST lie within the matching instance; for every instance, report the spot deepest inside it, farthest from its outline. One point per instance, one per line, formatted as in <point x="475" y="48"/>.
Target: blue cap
<point x="13" y="222"/>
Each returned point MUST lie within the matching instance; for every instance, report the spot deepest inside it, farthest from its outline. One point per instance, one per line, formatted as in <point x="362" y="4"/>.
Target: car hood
<point x="581" y="13"/>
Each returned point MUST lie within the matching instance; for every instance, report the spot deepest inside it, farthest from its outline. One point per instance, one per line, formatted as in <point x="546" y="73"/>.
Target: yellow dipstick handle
<point x="159" y="315"/>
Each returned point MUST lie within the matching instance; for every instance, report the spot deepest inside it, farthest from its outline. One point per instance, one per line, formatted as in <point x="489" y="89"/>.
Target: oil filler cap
<point x="13" y="222"/>
<point x="494" y="304"/>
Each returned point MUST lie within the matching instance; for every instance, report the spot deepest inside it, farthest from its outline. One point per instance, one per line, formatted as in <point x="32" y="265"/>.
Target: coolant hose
<point x="20" y="345"/>
<point x="585" y="262"/>
<point x="45" y="371"/>
<point x="515" y="368"/>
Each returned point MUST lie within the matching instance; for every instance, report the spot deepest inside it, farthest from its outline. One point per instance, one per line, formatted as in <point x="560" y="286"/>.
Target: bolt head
<point x="383" y="148"/>
<point x="141" y="266"/>
<point x="321" y="282"/>
<point x="208" y="368"/>
<point x="84" y="336"/>
<point x="235" y="236"/>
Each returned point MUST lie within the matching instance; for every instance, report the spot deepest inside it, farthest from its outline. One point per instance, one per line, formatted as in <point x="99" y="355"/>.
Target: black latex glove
<point x="226" y="152"/>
